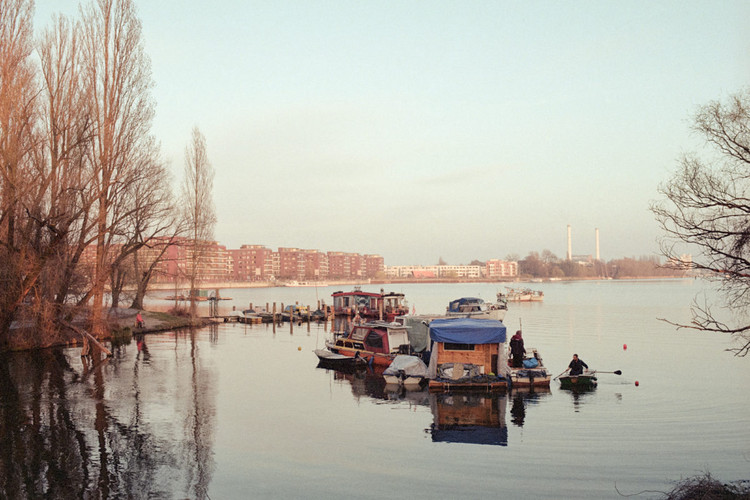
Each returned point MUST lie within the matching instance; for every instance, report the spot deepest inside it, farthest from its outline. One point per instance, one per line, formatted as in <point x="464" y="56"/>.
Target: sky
<point x="422" y="130"/>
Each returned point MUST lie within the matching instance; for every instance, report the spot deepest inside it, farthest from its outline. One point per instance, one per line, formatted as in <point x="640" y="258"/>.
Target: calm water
<point x="240" y="411"/>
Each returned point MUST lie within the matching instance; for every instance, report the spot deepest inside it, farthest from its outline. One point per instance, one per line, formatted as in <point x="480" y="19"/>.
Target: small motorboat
<point x="406" y="370"/>
<point x="333" y="360"/>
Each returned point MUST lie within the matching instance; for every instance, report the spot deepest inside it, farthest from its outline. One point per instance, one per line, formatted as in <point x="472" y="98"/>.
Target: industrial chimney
<point x="596" y="231"/>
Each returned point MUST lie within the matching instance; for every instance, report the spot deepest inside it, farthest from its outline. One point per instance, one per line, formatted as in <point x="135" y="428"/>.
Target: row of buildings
<point x="258" y="263"/>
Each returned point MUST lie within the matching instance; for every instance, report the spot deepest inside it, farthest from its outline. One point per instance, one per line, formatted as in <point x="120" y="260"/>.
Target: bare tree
<point x="707" y="210"/>
<point x="199" y="212"/>
<point x="118" y="78"/>
<point x="18" y="139"/>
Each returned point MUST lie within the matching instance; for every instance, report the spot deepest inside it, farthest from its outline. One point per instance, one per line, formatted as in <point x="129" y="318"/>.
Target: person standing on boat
<point x="517" y="350"/>
<point x="576" y="366"/>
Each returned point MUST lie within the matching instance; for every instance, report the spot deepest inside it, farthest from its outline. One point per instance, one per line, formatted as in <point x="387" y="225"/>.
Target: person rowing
<point x="576" y="366"/>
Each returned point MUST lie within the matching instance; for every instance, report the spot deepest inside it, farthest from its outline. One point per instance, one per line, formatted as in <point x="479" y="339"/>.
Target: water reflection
<point x="524" y="397"/>
<point x="469" y="418"/>
<point x="579" y="395"/>
<point x="71" y="428"/>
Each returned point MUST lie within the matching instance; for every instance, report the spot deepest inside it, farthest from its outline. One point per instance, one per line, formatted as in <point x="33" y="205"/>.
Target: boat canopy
<point x="411" y="365"/>
<point x="467" y="331"/>
<point x="455" y="305"/>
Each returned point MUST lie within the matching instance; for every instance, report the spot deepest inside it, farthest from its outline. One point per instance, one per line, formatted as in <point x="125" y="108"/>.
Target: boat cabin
<point x="378" y="342"/>
<point x="468" y="353"/>
<point x="466" y="305"/>
<point x="384" y="306"/>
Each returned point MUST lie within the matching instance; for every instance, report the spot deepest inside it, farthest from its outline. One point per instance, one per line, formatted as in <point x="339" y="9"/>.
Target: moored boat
<point x="524" y="295"/>
<point x="406" y="370"/>
<point x="473" y="307"/>
<point x="468" y="354"/>
<point x="377" y="342"/>
<point x="373" y="305"/>
<point x="533" y="373"/>
<point x="329" y="359"/>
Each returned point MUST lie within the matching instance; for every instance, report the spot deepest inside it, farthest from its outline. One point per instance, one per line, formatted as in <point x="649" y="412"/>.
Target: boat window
<point x="359" y="345"/>
<point x="360" y="333"/>
<point x="347" y="344"/>
<point x="340" y="343"/>
<point x="448" y="346"/>
<point x="374" y="340"/>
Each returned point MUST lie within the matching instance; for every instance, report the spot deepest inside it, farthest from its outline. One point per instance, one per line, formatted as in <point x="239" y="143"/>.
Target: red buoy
<point x="636" y="383"/>
<point x="624" y="347"/>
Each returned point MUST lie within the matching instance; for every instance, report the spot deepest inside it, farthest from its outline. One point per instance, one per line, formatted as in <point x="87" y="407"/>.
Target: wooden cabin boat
<point x="473" y="307"/>
<point x="374" y="305"/>
<point x="468" y="354"/>
<point x="579" y="382"/>
<point x="533" y="373"/>
<point x="377" y="342"/>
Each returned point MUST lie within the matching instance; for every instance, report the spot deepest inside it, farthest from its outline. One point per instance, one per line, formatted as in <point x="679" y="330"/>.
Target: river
<point x="243" y="411"/>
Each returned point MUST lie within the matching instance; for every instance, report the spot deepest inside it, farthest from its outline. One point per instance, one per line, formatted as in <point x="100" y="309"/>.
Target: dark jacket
<point x="576" y="366"/>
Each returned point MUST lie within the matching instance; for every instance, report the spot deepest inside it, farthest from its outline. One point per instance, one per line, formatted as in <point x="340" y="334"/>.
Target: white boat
<point x="473" y="307"/>
<point x="406" y="370"/>
<point x="330" y="359"/>
<point x="304" y="283"/>
<point x="524" y="295"/>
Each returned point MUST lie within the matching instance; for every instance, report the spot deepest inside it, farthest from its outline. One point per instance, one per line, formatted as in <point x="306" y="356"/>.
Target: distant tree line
<point x="79" y="171"/>
<point x="548" y="265"/>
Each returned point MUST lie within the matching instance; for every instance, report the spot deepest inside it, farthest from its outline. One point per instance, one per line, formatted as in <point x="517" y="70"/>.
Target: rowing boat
<point x="582" y="381"/>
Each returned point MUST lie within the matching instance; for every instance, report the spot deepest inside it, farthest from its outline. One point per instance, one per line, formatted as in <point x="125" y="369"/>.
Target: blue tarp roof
<point x="473" y="434"/>
<point x="467" y="331"/>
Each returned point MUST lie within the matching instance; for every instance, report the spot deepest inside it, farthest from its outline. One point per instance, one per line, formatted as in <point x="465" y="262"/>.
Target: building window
<point x="449" y="346"/>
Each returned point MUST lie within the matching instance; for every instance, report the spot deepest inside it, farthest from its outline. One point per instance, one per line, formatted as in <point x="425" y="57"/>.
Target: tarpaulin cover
<point x="411" y="365"/>
<point x="467" y="331"/>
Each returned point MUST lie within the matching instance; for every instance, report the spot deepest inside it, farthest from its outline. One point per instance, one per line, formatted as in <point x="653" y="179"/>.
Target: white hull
<point x="496" y="314"/>
<point x="407" y="382"/>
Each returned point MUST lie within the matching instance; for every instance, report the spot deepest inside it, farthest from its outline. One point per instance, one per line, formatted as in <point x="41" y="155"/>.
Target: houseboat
<point x="473" y="307"/>
<point x="468" y="354"/>
<point x="374" y="305"/>
<point x="377" y="342"/>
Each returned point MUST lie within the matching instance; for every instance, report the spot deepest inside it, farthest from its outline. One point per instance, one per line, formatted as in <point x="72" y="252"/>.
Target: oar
<point x="563" y="373"/>
<point x="616" y="372"/>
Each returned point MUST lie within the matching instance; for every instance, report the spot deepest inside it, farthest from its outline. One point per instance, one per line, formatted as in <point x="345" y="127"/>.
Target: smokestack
<point x="570" y="245"/>
<point x="597" y="242"/>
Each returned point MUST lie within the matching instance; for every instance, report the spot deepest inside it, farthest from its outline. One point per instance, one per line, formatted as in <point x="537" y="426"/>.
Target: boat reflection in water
<point x="579" y="395"/>
<point x="466" y="417"/>
<point x="524" y="397"/>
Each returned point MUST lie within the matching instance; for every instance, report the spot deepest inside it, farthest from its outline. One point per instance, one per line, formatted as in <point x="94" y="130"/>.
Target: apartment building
<point x="496" y="268"/>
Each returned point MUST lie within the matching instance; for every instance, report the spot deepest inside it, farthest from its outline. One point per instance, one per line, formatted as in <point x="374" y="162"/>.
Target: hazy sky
<point x="419" y="130"/>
